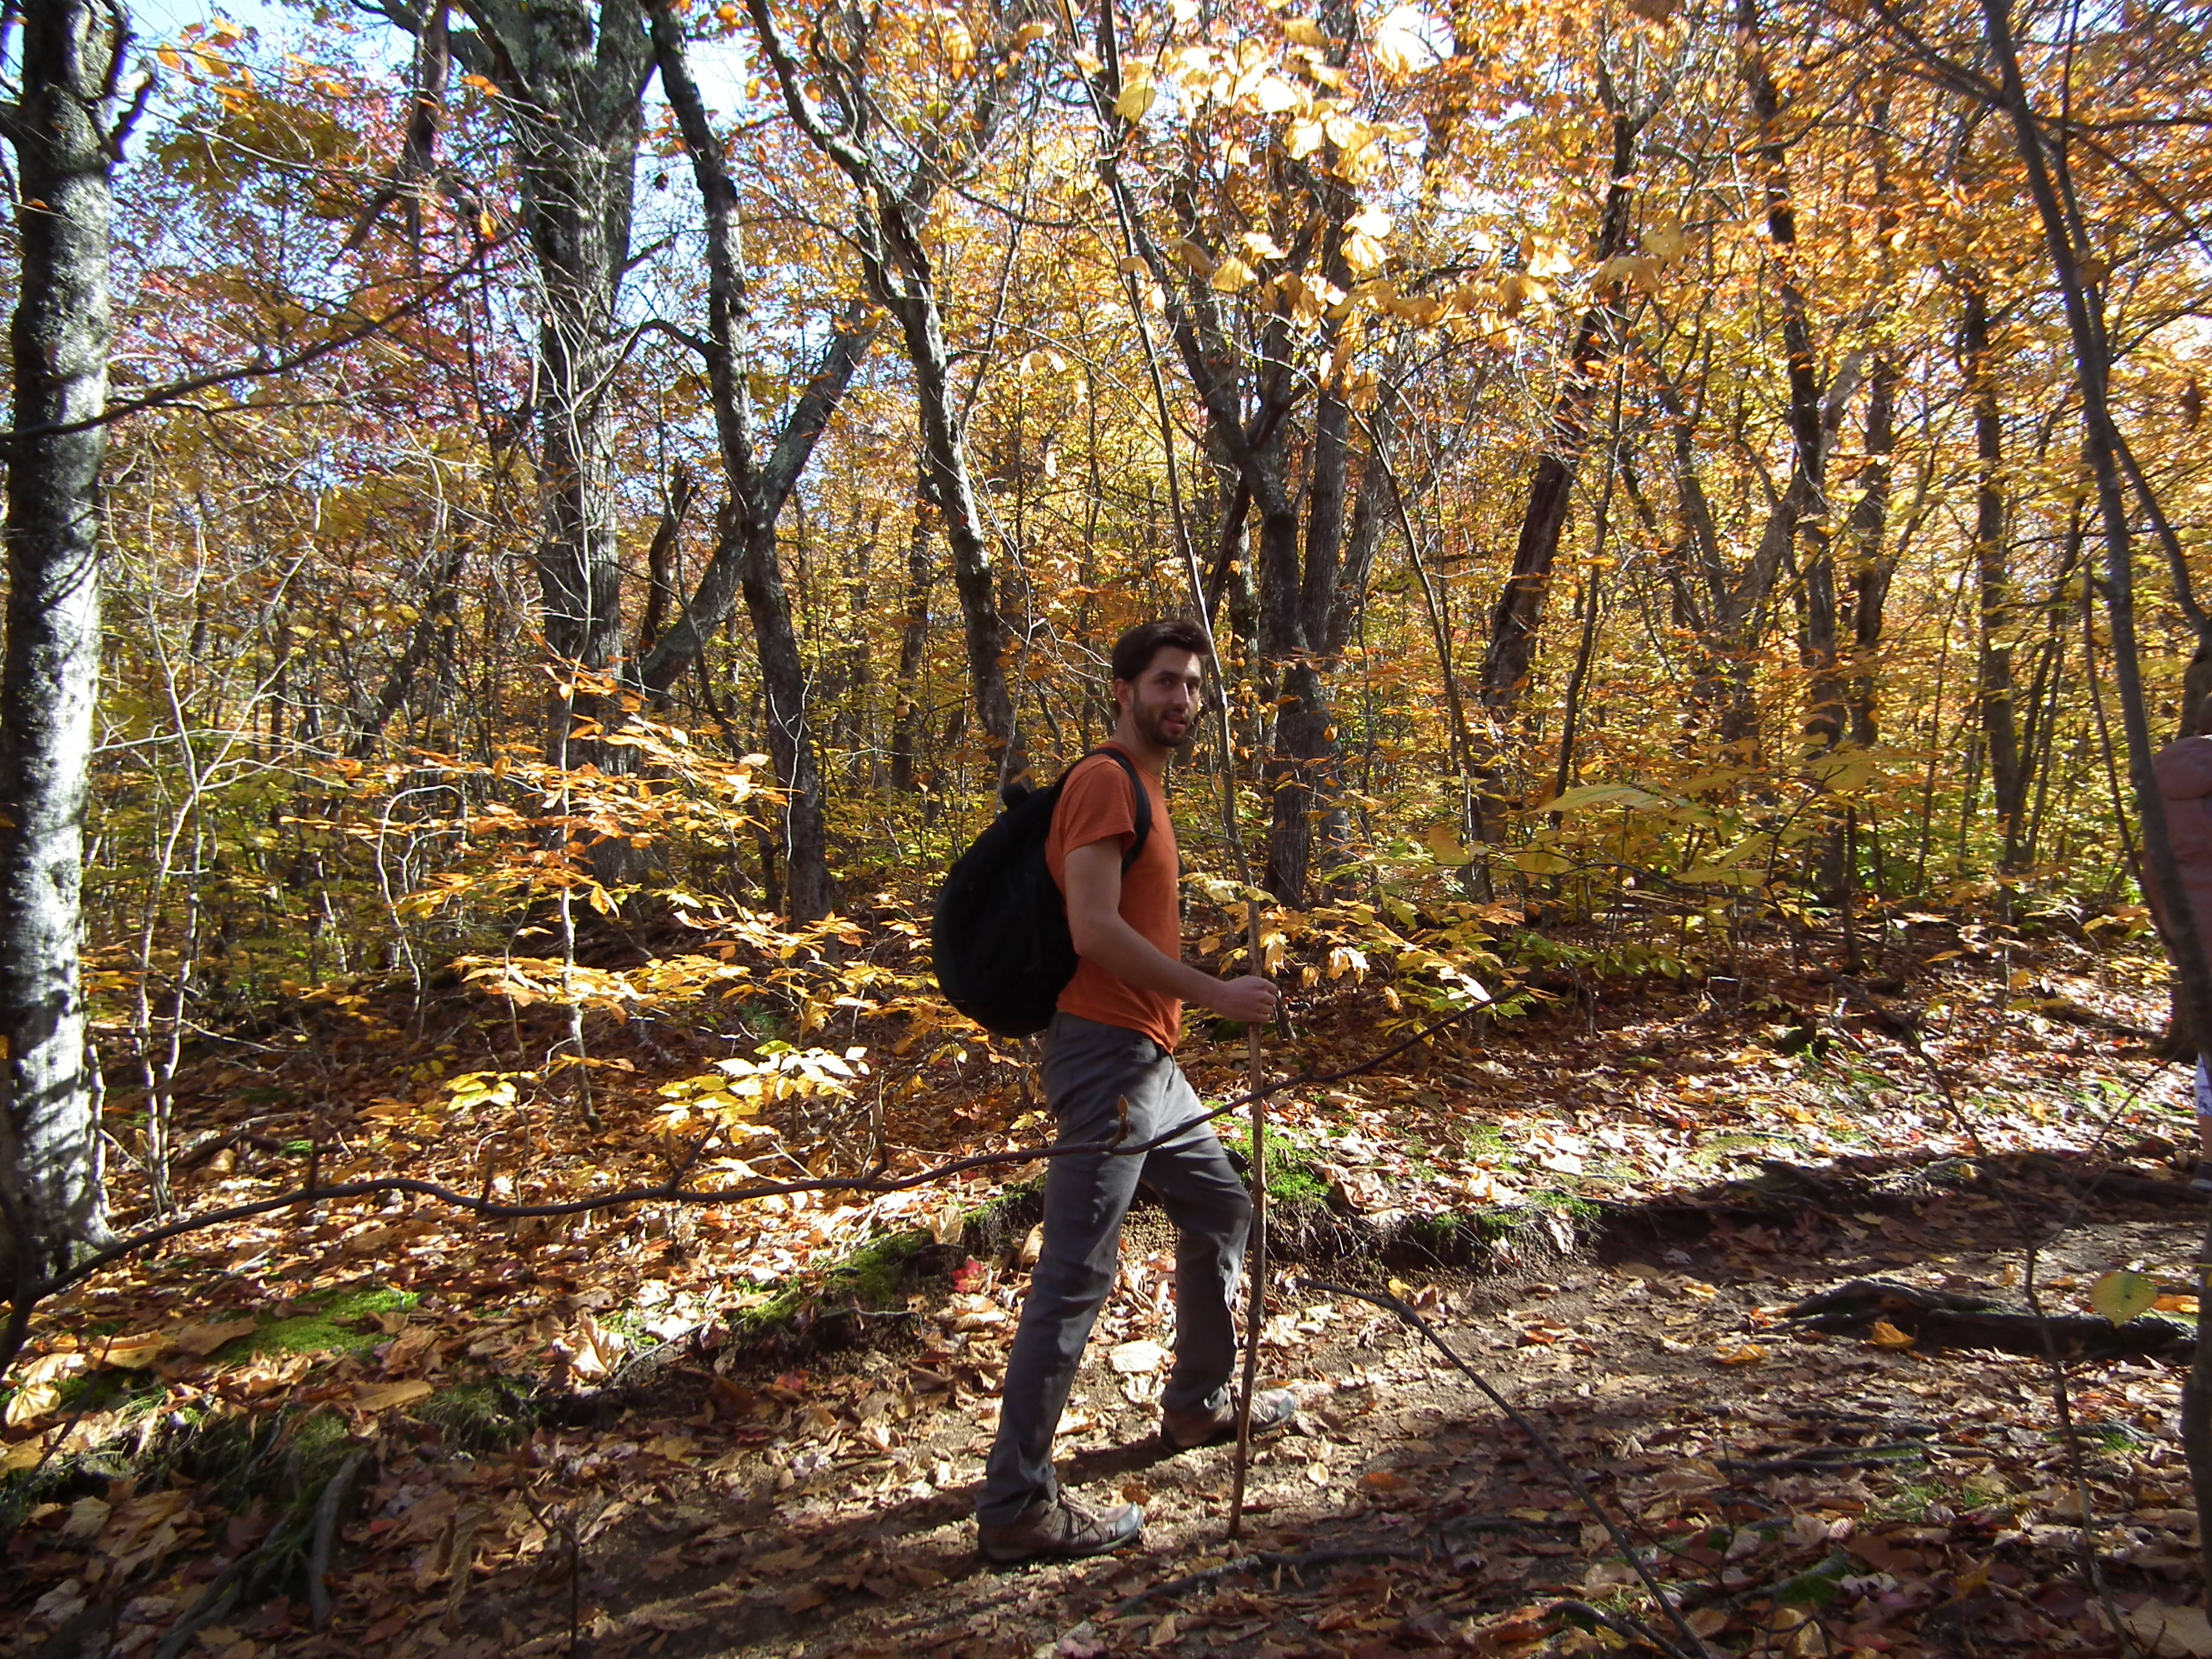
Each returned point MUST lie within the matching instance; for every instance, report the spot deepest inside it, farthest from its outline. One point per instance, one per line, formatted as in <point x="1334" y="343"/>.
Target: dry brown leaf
<point x="384" y="1396"/>
<point x="805" y="1598"/>
<point x="2171" y="1632"/>
<point x="202" y="1340"/>
<point x="1886" y="1335"/>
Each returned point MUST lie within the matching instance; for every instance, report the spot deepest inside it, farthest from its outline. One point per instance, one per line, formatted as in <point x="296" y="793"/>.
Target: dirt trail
<point x="1746" y="1454"/>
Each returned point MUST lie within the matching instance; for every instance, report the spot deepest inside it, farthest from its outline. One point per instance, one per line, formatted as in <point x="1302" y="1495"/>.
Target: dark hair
<point x="1134" y="651"/>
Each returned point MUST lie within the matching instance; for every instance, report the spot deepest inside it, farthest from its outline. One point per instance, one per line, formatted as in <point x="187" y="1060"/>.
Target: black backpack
<point x="998" y="938"/>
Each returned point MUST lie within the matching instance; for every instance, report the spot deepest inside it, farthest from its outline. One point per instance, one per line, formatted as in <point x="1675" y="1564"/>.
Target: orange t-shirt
<point x="1095" y="805"/>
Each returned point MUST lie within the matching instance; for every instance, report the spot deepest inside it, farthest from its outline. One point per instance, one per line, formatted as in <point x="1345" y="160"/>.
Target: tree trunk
<point x="434" y="631"/>
<point x="1993" y="576"/>
<point x="1801" y="498"/>
<point x="577" y="125"/>
<point x="909" y="720"/>
<point x="661" y="597"/>
<point x="2101" y="442"/>
<point x="1520" y="610"/>
<point x="745" y="554"/>
<point x="901" y="273"/>
<point x="952" y="492"/>
<point x="50" y="1199"/>
<point x="1872" y="563"/>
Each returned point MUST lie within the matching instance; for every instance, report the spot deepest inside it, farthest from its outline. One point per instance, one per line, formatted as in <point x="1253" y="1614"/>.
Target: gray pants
<point x="1088" y="1069"/>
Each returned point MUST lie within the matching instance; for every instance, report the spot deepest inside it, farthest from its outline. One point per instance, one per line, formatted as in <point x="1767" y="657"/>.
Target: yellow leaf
<point x="1231" y="275"/>
<point x="23" y="1455"/>
<point x="2120" y="1295"/>
<point x="1886" y="1335"/>
<point x="1401" y="42"/>
<point x="170" y="57"/>
<point x="1189" y="253"/>
<point x="1137" y="98"/>
<point x="1027" y="33"/>
<point x="31" y="1402"/>
<point x="1549" y="257"/>
<point x="1304" y="138"/>
<point x="480" y="84"/>
<point x="1261" y="246"/>
<point x="1442" y="843"/>
<point x="1749" y="1353"/>
<point x="959" y="45"/>
<point x="1363" y="252"/>
<point x="1276" y="95"/>
<point x="1303" y="32"/>
<point x="134" y="1354"/>
<point x="1370" y="221"/>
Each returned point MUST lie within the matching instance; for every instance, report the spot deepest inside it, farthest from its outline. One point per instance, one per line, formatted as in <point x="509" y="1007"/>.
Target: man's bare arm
<point x="1093" y="877"/>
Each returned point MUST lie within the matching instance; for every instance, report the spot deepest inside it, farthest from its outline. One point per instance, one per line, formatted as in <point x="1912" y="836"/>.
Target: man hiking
<point x="1110" y="1048"/>
<point x="2185" y="778"/>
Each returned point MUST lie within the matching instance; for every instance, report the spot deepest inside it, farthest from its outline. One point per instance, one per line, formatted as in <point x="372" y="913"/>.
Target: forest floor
<point x="752" y="1430"/>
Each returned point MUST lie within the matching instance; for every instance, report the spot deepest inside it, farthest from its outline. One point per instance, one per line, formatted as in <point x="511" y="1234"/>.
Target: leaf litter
<point x="1797" y="1492"/>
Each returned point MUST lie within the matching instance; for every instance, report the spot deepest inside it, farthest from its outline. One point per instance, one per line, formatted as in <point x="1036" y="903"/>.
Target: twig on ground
<point x="2032" y="1242"/>
<point x="28" y="1296"/>
<point x="1820" y="1462"/>
<point x="1697" y="1647"/>
<point x="1263" y="1561"/>
<point x="328" y="1508"/>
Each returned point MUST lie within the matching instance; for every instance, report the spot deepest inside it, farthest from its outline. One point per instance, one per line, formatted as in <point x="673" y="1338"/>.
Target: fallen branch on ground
<point x="1941" y="1319"/>
<point x="1696" y="1648"/>
<point x="1263" y="1561"/>
<point x="670" y="1191"/>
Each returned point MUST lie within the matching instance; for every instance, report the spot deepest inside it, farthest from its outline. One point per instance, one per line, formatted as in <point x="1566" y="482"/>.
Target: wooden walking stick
<point x="1255" y="1309"/>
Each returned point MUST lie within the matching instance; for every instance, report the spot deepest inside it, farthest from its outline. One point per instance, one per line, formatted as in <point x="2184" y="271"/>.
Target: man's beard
<point x="1153" y="725"/>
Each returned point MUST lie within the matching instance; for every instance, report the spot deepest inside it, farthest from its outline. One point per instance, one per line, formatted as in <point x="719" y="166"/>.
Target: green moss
<point x="876" y="1274"/>
<point x="1292" y="1175"/>
<point x="1480" y="1141"/>
<point x="340" y="1322"/>
<point x="111" y="1390"/>
<point x="477" y="1417"/>
<point x="1296" y="1182"/>
<point x="1566" y="1203"/>
<point x="770" y="1309"/>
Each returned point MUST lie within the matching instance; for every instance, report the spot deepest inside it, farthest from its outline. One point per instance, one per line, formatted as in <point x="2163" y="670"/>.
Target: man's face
<point x="1163" y="701"/>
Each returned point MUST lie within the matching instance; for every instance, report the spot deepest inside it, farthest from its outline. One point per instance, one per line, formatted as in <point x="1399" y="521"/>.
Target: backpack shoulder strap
<point x="1140" y="806"/>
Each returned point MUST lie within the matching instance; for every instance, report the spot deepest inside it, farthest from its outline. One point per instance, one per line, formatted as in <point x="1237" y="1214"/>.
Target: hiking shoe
<point x="1054" y="1527"/>
<point x="1272" y="1411"/>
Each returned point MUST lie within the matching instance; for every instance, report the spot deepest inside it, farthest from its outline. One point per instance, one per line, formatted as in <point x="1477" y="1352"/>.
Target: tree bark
<point x="1994" y="688"/>
<point x="65" y="133"/>
<point x="575" y="77"/>
<point x="908" y="720"/>
<point x="2101" y="443"/>
<point x="903" y="276"/>
<point x="745" y="553"/>
<point x="1872" y="562"/>
<point x="1519" y="614"/>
